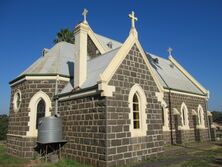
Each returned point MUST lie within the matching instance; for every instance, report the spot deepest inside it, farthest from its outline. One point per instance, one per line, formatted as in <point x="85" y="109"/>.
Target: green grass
<point x="9" y="161"/>
<point x="205" y="158"/>
<point x="64" y="163"/>
<point x="202" y="155"/>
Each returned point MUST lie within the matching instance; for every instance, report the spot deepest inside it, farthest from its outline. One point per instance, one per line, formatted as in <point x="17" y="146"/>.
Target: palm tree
<point x="65" y="35"/>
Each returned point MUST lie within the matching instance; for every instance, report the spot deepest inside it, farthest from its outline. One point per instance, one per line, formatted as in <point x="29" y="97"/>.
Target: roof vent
<point x="171" y="65"/>
<point x="110" y="45"/>
<point x="45" y="51"/>
<point x="156" y="60"/>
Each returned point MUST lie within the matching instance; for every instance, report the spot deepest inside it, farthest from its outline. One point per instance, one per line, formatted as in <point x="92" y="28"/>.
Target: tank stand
<point x="50" y="148"/>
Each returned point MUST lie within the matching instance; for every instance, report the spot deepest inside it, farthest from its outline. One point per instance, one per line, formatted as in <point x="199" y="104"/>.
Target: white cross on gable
<point x="84" y="13"/>
<point x="133" y="19"/>
<point x="170" y="50"/>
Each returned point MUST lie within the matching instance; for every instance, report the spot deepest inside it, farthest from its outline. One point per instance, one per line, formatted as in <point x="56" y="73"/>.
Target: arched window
<point x="40" y="111"/>
<point x="163" y="115"/>
<point x="184" y="116"/>
<point x="137" y="105"/>
<point x="200" y="116"/>
<point x="136" y="112"/>
<point x="39" y="106"/>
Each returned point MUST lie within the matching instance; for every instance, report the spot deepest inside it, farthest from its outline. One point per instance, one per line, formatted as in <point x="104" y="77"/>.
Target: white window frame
<point x="165" y="116"/>
<point x="200" y="117"/>
<point x="32" y="132"/>
<point x="15" y="107"/>
<point x="137" y="89"/>
<point x="185" y="125"/>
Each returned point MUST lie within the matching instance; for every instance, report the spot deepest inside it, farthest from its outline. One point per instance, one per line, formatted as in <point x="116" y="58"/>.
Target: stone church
<point x="119" y="104"/>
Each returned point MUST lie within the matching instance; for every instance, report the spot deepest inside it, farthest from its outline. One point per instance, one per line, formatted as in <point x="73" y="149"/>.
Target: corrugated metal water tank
<point x="50" y="130"/>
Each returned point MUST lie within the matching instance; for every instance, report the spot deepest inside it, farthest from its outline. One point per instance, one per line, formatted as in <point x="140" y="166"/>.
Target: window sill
<point x="138" y="133"/>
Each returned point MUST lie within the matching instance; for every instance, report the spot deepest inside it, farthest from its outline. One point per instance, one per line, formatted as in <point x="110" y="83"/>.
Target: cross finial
<point x="133" y="19"/>
<point x="84" y="13"/>
<point x="170" y="50"/>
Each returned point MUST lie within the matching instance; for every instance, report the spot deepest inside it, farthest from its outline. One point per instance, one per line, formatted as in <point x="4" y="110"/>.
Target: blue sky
<point x="192" y="28"/>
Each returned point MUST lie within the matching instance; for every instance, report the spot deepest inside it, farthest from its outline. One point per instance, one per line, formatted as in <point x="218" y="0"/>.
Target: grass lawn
<point x="201" y="155"/>
<point x="63" y="163"/>
<point x="10" y="161"/>
<point x="192" y="155"/>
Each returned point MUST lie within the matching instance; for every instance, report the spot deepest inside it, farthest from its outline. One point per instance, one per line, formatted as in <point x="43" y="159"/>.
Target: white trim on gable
<point x="98" y="44"/>
<point x="121" y="55"/>
<point x="189" y="76"/>
<point x="92" y="36"/>
<point x="32" y="132"/>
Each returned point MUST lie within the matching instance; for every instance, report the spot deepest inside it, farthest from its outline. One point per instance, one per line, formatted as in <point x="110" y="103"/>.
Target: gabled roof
<point x="170" y="76"/>
<point x="60" y="60"/>
<point x="105" y="41"/>
<point x="95" y="67"/>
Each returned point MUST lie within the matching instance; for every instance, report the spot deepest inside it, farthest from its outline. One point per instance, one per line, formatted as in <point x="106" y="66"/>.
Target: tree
<point x="217" y="116"/>
<point x="3" y="126"/>
<point x="65" y="35"/>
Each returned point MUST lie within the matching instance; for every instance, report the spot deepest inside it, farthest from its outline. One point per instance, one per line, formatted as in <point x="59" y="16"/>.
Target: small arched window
<point x="163" y="115"/>
<point x="136" y="112"/>
<point x="200" y="115"/>
<point x="184" y="116"/>
<point x="40" y="111"/>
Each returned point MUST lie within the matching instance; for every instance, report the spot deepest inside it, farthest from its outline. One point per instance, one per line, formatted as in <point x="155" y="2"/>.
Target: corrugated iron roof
<point x="60" y="60"/>
<point x="170" y="76"/>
